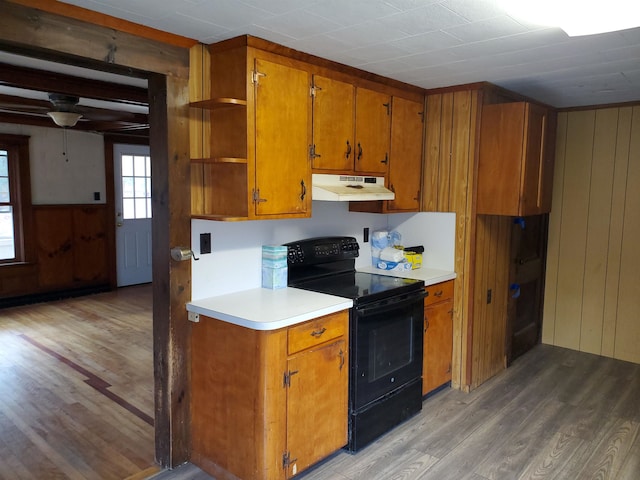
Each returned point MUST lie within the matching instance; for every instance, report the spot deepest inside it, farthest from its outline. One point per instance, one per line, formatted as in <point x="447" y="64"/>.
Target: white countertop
<point x="265" y="309"/>
<point x="430" y="276"/>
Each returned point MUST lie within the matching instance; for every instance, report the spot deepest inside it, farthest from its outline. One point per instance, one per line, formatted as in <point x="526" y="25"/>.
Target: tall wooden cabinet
<point x="456" y="123"/>
<point x="266" y="405"/>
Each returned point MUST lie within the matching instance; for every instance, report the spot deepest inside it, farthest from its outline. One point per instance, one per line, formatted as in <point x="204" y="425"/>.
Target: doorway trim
<point x="32" y="32"/>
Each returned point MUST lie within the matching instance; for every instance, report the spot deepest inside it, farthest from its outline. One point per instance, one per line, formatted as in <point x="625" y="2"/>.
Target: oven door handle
<point x="382" y="306"/>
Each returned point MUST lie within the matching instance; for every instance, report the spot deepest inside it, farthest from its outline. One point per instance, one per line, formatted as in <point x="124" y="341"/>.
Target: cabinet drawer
<point x="317" y="331"/>
<point x="438" y="292"/>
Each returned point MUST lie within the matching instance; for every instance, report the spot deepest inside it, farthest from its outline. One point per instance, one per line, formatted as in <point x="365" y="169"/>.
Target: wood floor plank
<point x="76" y="383"/>
<point x="554" y="414"/>
<point x="609" y="452"/>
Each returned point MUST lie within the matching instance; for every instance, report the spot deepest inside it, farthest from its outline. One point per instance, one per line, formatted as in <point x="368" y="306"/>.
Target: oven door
<point x="386" y="346"/>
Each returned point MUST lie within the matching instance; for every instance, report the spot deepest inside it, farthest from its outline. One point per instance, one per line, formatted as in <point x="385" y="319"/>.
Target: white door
<point x="132" y="168"/>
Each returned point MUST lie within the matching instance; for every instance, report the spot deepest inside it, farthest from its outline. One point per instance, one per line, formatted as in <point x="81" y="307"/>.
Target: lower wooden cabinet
<point x="268" y="404"/>
<point x="438" y="336"/>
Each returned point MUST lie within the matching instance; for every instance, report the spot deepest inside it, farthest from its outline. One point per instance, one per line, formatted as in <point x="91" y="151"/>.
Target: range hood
<point x="349" y="188"/>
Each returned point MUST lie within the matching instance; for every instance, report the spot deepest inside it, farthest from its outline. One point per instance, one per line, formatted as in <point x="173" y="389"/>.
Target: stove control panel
<point x="321" y="250"/>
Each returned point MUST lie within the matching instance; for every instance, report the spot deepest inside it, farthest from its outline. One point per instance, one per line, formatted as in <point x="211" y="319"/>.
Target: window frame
<point x="17" y="147"/>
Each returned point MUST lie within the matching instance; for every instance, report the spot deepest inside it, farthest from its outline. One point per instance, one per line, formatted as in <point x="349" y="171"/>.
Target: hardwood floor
<point x="554" y="414"/>
<point x="76" y="388"/>
<point x="76" y="402"/>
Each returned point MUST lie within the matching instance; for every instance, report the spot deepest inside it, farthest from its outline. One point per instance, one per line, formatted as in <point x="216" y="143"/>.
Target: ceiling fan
<point x="63" y="114"/>
<point x="70" y="110"/>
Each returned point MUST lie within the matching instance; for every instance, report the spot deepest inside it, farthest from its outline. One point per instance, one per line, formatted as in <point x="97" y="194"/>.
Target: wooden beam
<point x="37" y="33"/>
<point x="54" y="37"/>
<point x="172" y="280"/>
<point x="46" y="81"/>
<point x="101" y="19"/>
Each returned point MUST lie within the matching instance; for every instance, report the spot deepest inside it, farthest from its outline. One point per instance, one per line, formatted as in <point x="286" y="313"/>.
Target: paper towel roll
<point x="390" y="254"/>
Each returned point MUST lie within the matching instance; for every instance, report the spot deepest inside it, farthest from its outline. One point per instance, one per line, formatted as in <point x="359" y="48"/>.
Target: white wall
<point x="59" y="179"/>
<point x="235" y="262"/>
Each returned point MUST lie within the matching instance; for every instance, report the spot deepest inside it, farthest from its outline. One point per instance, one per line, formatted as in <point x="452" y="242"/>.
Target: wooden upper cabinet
<point x="515" y="168"/>
<point x="250" y="157"/>
<point x="373" y="130"/>
<point x="333" y="124"/>
<point x="282" y="112"/>
<point x="351" y="128"/>
<point x="405" y="167"/>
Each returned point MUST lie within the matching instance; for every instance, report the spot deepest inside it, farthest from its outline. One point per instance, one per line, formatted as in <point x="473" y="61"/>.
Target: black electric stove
<point x="327" y="265"/>
<point x="386" y="328"/>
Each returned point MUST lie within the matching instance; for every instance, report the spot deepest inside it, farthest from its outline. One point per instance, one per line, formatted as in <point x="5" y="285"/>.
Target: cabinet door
<point x="515" y="160"/>
<point x="531" y="202"/>
<point x="372" y="131"/>
<point x="405" y="167"/>
<point x="317" y="404"/>
<point x="333" y="119"/>
<point x="282" y="123"/>
<point x="438" y="345"/>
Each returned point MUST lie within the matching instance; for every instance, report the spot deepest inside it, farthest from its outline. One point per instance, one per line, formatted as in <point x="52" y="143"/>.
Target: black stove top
<point x="361" y="286"/>
<point x="327" y="265"/>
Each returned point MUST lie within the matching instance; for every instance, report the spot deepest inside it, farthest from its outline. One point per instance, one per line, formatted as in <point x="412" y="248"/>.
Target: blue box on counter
<point x="274" y="266"/>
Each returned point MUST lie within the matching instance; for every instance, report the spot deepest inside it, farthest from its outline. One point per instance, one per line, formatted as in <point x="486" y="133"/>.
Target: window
<point x="136" y="186"/>
<point x="15" y="197"/>
<point x="7" y="229"/>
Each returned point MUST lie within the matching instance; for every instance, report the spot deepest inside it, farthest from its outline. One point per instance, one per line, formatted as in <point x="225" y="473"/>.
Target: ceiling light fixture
<point x="65" y="119"/>
<point x="577" y="17"/>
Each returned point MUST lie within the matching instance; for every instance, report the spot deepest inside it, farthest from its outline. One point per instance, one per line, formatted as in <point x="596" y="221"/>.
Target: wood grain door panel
<point x="333" y="124"/>
<point x="372" y="131"/>
<point x="283" y="173"/>
<point x="406" y="154"/>
<point x="317" y="404"/>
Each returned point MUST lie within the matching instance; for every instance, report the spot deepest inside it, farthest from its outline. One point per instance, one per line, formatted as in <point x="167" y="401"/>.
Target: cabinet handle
<point x="318" y="333"/>
<point x="341" y="355"/>
<point x="348" y="152"/>
<point x="359" y="151"/>
<point x="426" y="324"/>
<point x="312" y="152"/>
<point x="388" y="107"/>
<point x="304" y="190"/>
<point x="438" y="293"/>
<point x="386" y="159"/>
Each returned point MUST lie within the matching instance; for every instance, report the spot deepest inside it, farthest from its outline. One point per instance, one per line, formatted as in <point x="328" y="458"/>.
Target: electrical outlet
<point x="205" y="243"/>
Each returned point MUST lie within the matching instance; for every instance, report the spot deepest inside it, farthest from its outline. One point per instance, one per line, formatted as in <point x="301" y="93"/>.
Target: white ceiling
<point x="429" y="43"/>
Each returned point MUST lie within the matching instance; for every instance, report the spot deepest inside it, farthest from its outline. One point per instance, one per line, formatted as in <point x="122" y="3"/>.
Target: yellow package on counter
<point x="415" y="259"/>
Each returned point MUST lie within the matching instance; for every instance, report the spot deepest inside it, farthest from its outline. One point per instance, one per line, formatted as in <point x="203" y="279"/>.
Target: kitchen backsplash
<point x="235" y="260"/>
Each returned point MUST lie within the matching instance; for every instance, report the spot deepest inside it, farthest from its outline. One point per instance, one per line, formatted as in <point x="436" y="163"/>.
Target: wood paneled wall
<point x="492" y="263"/>
<point x="71" y="252"/>
<point x="448" y="185"/>
<point x="592" y="294"/>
